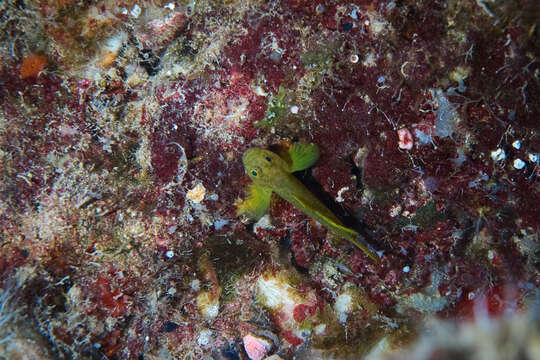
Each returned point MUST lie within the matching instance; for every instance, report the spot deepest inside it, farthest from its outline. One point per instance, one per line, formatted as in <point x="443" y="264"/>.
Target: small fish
<point x="271" y="172"/>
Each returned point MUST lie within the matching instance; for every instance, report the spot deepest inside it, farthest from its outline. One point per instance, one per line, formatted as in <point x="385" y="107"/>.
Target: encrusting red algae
<point x="122" y="131"/>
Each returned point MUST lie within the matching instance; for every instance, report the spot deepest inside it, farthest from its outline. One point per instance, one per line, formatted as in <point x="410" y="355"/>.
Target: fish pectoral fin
<point x="256" y="202"/>
<point x="303" y="155"/>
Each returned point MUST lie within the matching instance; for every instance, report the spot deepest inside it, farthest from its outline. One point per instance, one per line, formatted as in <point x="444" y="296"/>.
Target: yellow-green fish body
<point x="273" y="173"/>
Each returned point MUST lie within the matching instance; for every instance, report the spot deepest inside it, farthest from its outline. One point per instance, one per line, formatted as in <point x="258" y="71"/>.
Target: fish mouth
<point x="248" y="156"/>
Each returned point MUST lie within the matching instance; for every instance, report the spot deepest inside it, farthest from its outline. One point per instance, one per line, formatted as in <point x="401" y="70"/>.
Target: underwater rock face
<point x="122" y="129"/>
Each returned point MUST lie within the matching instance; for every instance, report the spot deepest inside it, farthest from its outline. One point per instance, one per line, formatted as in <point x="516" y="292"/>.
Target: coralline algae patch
<point x="122" y="130"/>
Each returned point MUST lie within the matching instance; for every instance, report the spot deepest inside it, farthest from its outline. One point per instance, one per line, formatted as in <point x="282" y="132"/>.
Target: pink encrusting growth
<point x="256" y="348"/>
<point x="406" y="140"/>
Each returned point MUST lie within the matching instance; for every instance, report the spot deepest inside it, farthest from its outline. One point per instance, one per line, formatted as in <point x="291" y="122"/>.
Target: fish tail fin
<point x="358" y="241"/>
<point x="349" y="234"/>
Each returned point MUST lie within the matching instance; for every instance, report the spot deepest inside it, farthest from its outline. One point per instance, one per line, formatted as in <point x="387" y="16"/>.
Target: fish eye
<point x="253" y="172"/>
<point x="268" y="159"/>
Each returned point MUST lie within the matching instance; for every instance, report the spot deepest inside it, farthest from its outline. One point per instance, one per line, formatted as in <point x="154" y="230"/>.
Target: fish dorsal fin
<point x="334" y="222"/>
<point x="352" y="235"/>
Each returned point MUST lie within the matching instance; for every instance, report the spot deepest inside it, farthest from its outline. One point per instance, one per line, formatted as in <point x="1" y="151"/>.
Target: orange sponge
<point x="32" y="65"/>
